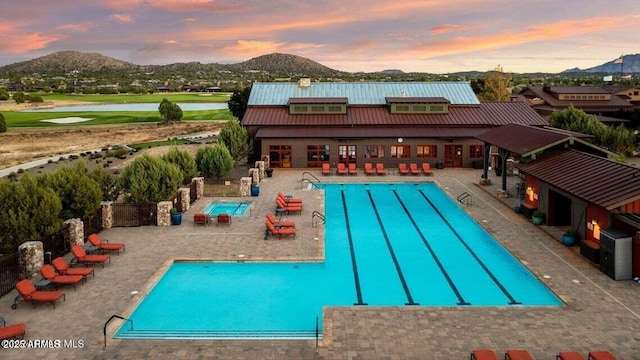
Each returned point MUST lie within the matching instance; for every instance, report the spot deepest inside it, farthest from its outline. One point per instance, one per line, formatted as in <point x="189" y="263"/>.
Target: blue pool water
<point x="231" y="208"/>
<point x="386" y="245"/>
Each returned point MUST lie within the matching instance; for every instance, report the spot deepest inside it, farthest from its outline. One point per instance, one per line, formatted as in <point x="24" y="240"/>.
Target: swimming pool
<point x="385" y="245"/>
<point x="231" y="208"/>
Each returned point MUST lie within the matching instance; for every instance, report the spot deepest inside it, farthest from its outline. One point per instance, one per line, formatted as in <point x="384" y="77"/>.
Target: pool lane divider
<point x="354" y="264"/>
<point x="392" y="253"/>
<point x="512" y="301"/>
<point x="454" y="288"/>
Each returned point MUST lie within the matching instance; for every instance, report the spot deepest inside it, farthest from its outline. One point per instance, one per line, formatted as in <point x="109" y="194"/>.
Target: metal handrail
<point x="462" y="198"/>
<point x="104" y="329"/>
<point x="317" y="332"/>
<point x="310" y="181"/>
<point x="316" y="214"/>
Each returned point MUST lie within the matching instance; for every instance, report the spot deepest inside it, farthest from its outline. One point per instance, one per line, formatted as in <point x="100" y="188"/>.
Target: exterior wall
<point x="532" y="192"/>
<point x="595" y="212"/>
<point x="299" y="150"/>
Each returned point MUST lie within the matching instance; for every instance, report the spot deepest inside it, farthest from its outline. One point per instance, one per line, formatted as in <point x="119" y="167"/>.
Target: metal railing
<point x="465" y="198"/>
<point x="104" y="329"/>
<point x="308" y="177"/>
<point x="317" y="215"/>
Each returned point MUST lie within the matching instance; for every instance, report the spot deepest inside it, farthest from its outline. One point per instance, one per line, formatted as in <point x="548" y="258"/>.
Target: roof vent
<point x="304" y="82"/>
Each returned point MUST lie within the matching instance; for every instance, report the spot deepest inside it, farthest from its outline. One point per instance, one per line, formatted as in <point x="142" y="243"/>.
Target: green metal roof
<point x="361" y="93"/>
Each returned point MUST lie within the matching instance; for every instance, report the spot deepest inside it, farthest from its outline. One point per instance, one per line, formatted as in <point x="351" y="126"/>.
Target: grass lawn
<point x="139" y="98"/>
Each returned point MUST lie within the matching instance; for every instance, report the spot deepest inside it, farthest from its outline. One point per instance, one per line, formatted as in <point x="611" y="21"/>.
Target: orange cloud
<point x="121" y="4"/>
<point x="23" y="43"/>
<point x="125" y="18"/>
<point x="79" y="27"/>
<point x="447" y="28"/>
<point x="252" y="48"/>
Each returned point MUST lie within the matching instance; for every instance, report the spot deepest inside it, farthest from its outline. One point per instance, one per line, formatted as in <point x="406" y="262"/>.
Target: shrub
<point x="3" y="124"/>
<point x="149" y="179"/>
<point x="185" y="162"/>
<point x="214" y="161"/>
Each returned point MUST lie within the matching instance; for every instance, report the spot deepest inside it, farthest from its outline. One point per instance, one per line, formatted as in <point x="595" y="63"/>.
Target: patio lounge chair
<point x="600" y="355"/>
<point x="402" y="169"/>
<point x="426" y="169"/>
<point x="341" y="169"/>
<point x="414" y="169"/>
<point x="201" y="219"/>
<point x="483" y="354"/>
<point x="569" y="355"/>
<point x="15" y="331"/>
<point x="272" y="230"/>
<point x="81" y="257"/>
<point x="224" y="219"/>
<point x="63" y="268"/>
<point x="289" y="208"/>
<point x="96" y="241"/>
<point x="326" y="169"/>
<point x="380" y="169"/>
<point x="353" y="170"/>
<point x="517" y="355"/>
<point x="50" y="274"/>
<point x="288" y="199"/>
<point x="280" y="224"/>
<point x="368" y="169"/>
<point x="29" y="293"/>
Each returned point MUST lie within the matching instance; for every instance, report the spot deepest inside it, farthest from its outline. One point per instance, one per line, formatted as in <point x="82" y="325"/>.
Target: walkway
<point x="600" y="313"/>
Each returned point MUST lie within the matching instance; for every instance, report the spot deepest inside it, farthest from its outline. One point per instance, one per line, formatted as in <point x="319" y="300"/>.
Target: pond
<point x="132" y="107"/>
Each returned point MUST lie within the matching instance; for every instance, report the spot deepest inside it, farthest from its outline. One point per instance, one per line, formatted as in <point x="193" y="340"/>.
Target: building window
<point x="374" y="151"/>
<point x="475" y="151"/>
<point x="317" y="155"/>
<point x="426" y="151"/>
<point x="400" y="151"/>
<point x="280" y="156"/>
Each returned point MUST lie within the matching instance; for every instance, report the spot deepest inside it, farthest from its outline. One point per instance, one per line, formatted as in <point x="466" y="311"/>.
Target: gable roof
<point x="551" y="102"/>
<point x="361" y="93"/>
<point x="603" y="182"/>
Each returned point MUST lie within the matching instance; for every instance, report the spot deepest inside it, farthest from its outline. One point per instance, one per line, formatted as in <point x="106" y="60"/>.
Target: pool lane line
<point x="461" y="300"/>
<point x="512" y="301"/>
<point x="392" y="253"/>
<point x="354" y="264"/>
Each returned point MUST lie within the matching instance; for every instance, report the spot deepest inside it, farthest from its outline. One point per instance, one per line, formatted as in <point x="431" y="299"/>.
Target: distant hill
<point x="63" y="62"/>
<point x="284" y="64"/>
<point x="630" y="64"/>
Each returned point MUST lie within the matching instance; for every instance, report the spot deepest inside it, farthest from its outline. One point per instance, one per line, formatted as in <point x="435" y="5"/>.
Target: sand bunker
<point x="68" y="120"/>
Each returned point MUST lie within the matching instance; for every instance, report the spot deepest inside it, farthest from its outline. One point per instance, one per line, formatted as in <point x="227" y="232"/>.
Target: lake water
<point x="132" y="107"/>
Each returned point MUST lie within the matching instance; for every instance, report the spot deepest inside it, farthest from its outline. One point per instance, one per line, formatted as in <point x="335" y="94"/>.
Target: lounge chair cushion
<point x="49" y="273"/>
<point x="29" y="293"/>
<point x="95" y="240"/>
<point x="569" y="355"/>
<point x="483" y="354"/>
<point x="63" y="268"/>
<point x="600" y="355"/>
<point x="13" y="331"/>
<point x="281" y="224"/>
<point x="82" y="257"/>
<point x="518" y="355"/>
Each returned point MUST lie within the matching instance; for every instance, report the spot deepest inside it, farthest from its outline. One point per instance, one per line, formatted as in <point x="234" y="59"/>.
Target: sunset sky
<point x="435" y="36"/>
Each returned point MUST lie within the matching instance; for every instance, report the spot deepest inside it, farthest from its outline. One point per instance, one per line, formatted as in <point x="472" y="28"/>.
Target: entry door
<point x="347" y="154"/>
<point x="453" y="155"/>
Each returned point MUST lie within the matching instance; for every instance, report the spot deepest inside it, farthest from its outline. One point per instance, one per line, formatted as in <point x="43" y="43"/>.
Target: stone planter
<point x="269" y="172"/>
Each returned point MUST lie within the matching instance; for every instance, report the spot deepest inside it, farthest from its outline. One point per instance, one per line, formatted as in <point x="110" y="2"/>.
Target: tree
<point x="169" y="111"/>
<point x="149" y="179"/>
<point x="28" y="210"/>
<point x="238" y="102"/>
<point x="3" y="124"/>
<point x="214" y="161"/>
<point x="35" y="98"/>
<point x="19" y="97"/>
<point x="235" y="138"/>
<point x="107" y="183"/>
<point x="185" y="162"/>
<point x="497" y="86"/>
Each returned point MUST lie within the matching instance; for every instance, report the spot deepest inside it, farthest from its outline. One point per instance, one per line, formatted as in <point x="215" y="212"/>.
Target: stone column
<point x="185" y="198"/>
<point x="30" y="258"/>
<point x="74" y="232"/>
<point x="164" y="213"/>
<point x="199" y="187"/>
<point x="267" y="162"/>
<point x="245" y="186"/>
<point x="260" y="167"/>
<point x="107" y="214"/>
<point x="255" y="176"/>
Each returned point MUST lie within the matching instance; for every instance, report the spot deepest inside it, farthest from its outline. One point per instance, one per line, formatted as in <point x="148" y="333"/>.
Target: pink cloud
<point x="78" y="27"/>
<point x="125" y="18"/>
<point x="23" y="43"/>
<point x="447" y="28"/>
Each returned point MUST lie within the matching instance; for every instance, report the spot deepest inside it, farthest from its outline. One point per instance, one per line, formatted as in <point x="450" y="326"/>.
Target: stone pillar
<point x="164" y="213"/>
<point x="267" y="162"/>
<point x="260" y="167"/>
<point x="510" y="167"/>
<point x="199" y="187"/>
<point x="30" y="258"/>
<point x="255" y="177"/>
<point x="74" y="232"/>
<point x="245" y="186"/>
<point x="185" y="198"/>
<point x="107" y="214"/>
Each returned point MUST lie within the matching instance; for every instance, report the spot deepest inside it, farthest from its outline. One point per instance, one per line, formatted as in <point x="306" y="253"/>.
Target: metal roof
<point x="367" y="132"/>
<point x="326" y="100"/>
<point x="361" y="93"/>
<point x="613" y="104"/>
<point x="603" y="182"/>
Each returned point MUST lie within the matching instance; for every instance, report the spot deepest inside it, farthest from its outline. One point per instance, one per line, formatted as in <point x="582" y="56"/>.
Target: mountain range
<point x="276" y="65"/>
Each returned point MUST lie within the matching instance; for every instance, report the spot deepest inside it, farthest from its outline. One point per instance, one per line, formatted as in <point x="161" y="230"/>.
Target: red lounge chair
<point x="279" y="232"/>
<point x="426" y="169"/>
<point x="380" y="169"/>
<point x="49" y="273"/>
<point x="326" y="169"/>
<point x="224" y="219"/>
<point x="288" y="199"/>
<point x="518" y="355"/>
<point x="341" y="169"/>
<point x="402" y="169"/>
<point x="414" y="169"/>
<point x="81" y="257"/>
<point x="569" y="355"/>
<point x="63" y="268"/>
<point x="289" y="208"/>
<point x="201" y="219"/>
<point x="368" y="169"/>
<point x="600" y="355"/>
<point x="29" y="293"/>
<point x="353" y="170"/>
<point x="96" y="241"/>
<point x="280" y="224"/>
<point x="15" y="331"/>
<point x="483" y="354"/>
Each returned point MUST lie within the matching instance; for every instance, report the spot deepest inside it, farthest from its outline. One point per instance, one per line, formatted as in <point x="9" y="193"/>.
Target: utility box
<point x="615" y="254"/>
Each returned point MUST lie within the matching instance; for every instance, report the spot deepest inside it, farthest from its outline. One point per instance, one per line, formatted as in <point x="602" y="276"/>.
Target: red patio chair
<point x="289" y="208"/>
<point x="518" y="355"/>
<point x="63" y="268"/>
<point x="326" y="169"/>
<point x="50" y="274"/>
<point x="201" y="219"/>
<point x="569" y="355"/>
<point x="368" y="169"/>
<point x="426" y="169"/>
<point x="600" y="355"/>
<point x="380" y="169"/>
<point x="81" y="257"/>
<point x="29" y="293"/>
<point x="353" y="170"/>
<point x="483" y="354"/>
<point x="341" y="170"/>
<point x="224" y="219"/>
<point x="272" y="230"/>
<point x="104" y="245"/>
<point x="15" y="331"/>
<point x="288" y="199"/>
<point x="402" y="169"/>
<point x="414" y="169"/>
<point x="280" y="224"/>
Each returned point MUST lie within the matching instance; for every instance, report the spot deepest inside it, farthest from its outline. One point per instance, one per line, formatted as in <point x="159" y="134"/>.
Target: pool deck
<point x="600" y="313"/>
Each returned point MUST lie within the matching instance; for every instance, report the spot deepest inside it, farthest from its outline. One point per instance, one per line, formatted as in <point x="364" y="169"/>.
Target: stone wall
<point x="255" y="175"/>
<point x="164" y="213"/>
<point x="107" y="214"/>
<point x="74" y="232"/>
<point x="245" y="186"/>
<point x="267" y="162"/>
<point x="30" y="258"/>
<point x="199" y="187"/>
<point x="185" y="198"/>
<point x="260" y="167"/>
